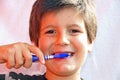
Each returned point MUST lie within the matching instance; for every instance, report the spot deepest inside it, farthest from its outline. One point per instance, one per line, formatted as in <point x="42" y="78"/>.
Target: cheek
<point x="45" y="44"/>
<point x="80" y="42"/>
<point x="81" y="46"/>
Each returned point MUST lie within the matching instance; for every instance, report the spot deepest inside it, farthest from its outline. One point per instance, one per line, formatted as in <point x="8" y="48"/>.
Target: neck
<point x="74" y="76"/>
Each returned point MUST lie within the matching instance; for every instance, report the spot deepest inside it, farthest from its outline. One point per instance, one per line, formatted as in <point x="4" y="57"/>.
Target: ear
<point x="33" y="43"/>
<point x="90" y="46"/>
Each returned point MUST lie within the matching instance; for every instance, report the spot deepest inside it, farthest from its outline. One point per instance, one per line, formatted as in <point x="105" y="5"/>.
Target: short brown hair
<point x="40" y="7"/>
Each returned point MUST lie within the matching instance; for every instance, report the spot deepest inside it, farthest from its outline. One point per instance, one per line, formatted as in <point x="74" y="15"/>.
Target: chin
<point x="66" y="69"/>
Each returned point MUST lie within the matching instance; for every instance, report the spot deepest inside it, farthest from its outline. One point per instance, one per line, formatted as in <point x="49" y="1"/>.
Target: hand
<point x="19" y="54"/>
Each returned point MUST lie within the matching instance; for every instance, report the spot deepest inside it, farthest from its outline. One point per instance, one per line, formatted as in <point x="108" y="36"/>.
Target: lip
<point x="70" y="52"/>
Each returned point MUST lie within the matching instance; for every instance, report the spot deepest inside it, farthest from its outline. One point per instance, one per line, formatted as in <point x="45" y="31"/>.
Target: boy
<point x="56" y="26"/>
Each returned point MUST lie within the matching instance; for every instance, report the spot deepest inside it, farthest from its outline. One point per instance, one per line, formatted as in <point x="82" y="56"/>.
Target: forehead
<point x="65" y="14"/>
<point x="61" y="10"/>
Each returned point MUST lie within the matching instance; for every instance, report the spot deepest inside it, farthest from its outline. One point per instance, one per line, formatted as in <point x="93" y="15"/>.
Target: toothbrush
<point x="47" y="57"/>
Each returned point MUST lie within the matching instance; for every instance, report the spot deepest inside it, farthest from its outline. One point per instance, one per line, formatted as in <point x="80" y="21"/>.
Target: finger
<point x="2" y="61"/>
<point x="27" y="58"/>
<point x="35" y="50"/>
<point x="19" y="60"/>
<point x="10" y="61"/>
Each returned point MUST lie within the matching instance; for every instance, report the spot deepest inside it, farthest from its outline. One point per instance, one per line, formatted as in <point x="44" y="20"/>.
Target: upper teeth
<point x="70" y="53"/>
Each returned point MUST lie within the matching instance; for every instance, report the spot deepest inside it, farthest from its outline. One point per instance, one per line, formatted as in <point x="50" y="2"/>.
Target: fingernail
<point x="43" y="61"/>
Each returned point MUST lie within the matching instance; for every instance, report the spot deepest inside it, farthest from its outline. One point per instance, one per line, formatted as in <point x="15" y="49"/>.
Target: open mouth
<point x="64" y="54"/>
<point x="59" y="55"/>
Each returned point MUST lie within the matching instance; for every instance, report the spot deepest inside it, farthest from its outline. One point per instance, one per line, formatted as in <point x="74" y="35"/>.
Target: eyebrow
<point x="77" y="26"/>
<point x="48" y="26"/>
<point x="51" y="26"/>
<point x="73" y="25"/>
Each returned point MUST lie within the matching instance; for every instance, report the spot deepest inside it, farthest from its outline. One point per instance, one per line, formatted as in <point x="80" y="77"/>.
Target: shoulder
<point x="81" y="79"/>
<point x="20" y="76"/>
<point x="2" y="76"/>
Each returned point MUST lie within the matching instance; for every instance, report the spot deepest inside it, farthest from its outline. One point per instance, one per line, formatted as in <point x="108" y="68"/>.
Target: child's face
<point x="64" y="31"/>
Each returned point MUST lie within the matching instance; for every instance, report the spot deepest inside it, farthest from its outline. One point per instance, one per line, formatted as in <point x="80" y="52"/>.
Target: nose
<point x="62" y="39"/>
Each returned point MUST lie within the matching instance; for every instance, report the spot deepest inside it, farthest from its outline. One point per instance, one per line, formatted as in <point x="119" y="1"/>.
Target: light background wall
<point x="102" y="64"/>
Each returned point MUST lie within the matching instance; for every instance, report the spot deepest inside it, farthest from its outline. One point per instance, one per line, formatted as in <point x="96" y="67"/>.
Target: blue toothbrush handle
<point x="34" y="58"/>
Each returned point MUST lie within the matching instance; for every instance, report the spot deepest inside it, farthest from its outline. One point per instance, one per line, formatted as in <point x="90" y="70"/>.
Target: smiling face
<point x="64" y="31"/>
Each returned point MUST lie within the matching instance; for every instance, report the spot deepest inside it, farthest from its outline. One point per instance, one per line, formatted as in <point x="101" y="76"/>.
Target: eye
<point x="50" y="32"/>
<point x="74" y="31"/>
